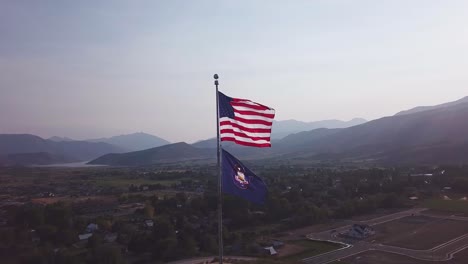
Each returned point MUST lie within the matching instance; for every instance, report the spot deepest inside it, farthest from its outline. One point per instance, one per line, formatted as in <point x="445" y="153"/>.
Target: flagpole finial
<point x="216" y="79"/>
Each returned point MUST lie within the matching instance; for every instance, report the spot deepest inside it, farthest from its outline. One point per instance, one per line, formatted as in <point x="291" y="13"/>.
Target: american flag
<point x="245" y="122"/>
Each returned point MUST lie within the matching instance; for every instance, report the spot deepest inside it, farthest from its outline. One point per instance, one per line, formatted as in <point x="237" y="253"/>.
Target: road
<point x="444" y="251"/>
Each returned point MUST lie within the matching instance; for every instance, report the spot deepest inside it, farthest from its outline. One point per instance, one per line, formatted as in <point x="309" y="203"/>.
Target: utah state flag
<point x="240" y="181"/>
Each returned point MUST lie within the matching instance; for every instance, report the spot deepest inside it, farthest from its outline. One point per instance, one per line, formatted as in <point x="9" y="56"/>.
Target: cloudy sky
<point x="87" y="69"/>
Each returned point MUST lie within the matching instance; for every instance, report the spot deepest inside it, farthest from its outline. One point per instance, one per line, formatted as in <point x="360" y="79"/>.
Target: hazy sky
<point x="87" y="69"/>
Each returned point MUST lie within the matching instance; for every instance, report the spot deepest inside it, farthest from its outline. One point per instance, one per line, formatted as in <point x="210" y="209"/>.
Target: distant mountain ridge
<point x="426" y="108"/>
<point x="133" y="142"/>
<point x="284" y="128"/>
<point x="30" y="149"/>
<point x="177" y="152"/>
<point x="37" y="158"/>
<point x="59" y="139"/>
<point x="434" y="136"/>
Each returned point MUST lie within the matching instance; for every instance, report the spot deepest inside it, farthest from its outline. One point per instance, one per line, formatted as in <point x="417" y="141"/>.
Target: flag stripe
<point x="246" y="101"/>
<point x="254" y="113"/>
<point x="248" y="144"/>
<point x="254" y="117"/>
<point x="240" y="133"/>
<point x="248" y="105"/>
<point x="255" y="121"/>
<point x="225" y="121"/>
<point x="242" y="108"/>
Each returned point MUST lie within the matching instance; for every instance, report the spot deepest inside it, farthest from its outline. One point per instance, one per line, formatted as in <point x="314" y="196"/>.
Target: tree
<point x="58" y="215"/>
<point x="47" y="233"/>
<point x="107" y="255"/>
<point x="187" y="245"/>
<point x="104" y="223"/>
<point x="30" y="216"/>
<point x="163" y="229"/>
<point x="95" y="241"/>
<point x="148" y="211"/>
<point x="208" y="244"/>
<point x="165" y="249"/>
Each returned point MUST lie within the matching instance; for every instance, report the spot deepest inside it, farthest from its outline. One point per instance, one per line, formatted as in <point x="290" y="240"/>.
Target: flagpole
<point x="220" y="197"/>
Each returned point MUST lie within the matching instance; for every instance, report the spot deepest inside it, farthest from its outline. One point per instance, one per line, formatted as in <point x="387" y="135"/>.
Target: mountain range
<point x="133" y="142"/>
<point x="129" y="142"/>
<point x="425" y="108"/>
<point x="25" y="149"/>
<point x="423" y="135"/>
<point x="284" y="128"/>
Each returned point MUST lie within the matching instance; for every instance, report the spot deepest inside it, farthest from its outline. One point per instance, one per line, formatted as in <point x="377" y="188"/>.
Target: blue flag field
<point x="238" y="180"/>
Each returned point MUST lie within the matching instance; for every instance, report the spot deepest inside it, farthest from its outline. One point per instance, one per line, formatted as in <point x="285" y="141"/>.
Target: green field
<point x="458" y="206"/>
<point x="311" y="248"/>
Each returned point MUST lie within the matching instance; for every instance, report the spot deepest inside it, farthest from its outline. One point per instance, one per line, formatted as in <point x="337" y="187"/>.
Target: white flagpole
<point x="220" y="197"/>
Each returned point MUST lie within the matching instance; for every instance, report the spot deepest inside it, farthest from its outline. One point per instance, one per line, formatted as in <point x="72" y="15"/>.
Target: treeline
<point x="185" y="224"/>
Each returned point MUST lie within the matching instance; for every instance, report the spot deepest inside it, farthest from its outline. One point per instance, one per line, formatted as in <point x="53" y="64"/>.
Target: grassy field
<point x="310" y="249"/>
<point x="377" y="257"/>
<point x="458" y="206"/>
<point x="418" y="232"/>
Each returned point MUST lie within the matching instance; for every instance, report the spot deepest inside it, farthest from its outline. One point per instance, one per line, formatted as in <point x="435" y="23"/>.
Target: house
<point x="277" y="244"/>
<point x="359" y="231"/>
<point x="111" y="237"/>
<point x="91" y="228"/>
<point x="84" y="236"/>
<point x="149" y="223"/>
<point x="270" y="251"/>
<point x="34" y="236"/>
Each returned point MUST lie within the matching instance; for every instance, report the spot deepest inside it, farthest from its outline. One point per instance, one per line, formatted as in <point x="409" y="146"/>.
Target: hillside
<point x="392" y="138"/>
<point x="165" y="154"/>
<point x="427" y="137"/>
<point x="59" y="139"/>
<point x="284" y="128"/>
<point x="133" y="142"/>
<point x="25" y="148"/>
<point x="39" y="158"/>
<point x="426" y="108"/>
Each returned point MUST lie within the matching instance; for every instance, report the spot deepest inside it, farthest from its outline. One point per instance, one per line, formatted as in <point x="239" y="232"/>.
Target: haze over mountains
<point x="284" y="128"/>
<point x="436" y="135"/>
<point x="430" y="134"/>
<point x="25" y="149"/>
<point x="425" y="108"/>
<point x="134" y="142"/>
<point x="129" y="142"/>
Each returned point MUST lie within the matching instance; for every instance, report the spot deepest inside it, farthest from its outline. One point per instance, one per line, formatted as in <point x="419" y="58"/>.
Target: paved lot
<point x="441" y="252"/>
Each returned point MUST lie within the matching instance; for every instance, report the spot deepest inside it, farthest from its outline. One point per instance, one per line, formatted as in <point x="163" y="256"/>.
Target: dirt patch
<point x="290" y="249"/>
<point x="419" y="232"/>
